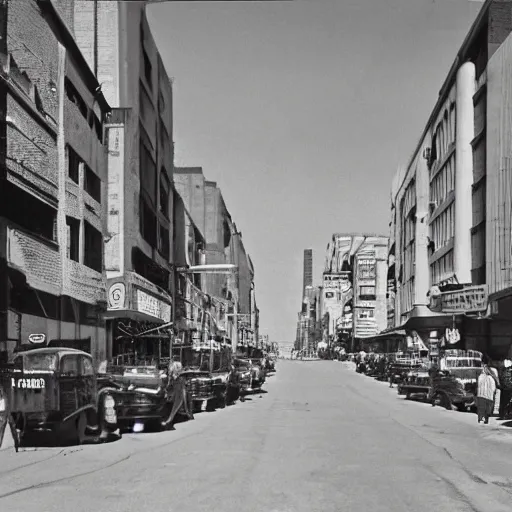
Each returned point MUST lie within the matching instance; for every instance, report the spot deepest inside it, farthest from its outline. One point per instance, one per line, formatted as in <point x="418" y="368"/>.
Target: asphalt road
<point x="322" y="439"/>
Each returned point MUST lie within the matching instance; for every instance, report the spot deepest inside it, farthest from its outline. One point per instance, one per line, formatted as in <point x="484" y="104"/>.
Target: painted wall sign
<point x="117" y="296"/>
<point x="37" y="338"/>
<point x="150" y="305"/>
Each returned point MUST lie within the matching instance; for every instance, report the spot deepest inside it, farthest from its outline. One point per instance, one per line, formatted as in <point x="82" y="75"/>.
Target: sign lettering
<point x="473" y="299"/>
<point x="28" y="383"/>
<point x="152" y="306"/>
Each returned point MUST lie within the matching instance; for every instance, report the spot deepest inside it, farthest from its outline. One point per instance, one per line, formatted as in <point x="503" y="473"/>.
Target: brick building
<point x="53" y="183"/>
<point x="117" y="42"/>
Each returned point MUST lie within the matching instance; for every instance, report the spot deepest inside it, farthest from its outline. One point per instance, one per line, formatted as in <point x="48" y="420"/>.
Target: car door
<point x="69" y="384"/>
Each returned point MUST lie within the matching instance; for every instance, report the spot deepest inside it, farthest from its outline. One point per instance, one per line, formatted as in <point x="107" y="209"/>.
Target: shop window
<point x="73" y="165"/>
<point x="74" y="96"/>
<point x="93" y="248"/>
<point x="73" y="238"/>
<point x="28" y="211"/>
<point x="88" y="314"/>
<point x="92" y="184"/>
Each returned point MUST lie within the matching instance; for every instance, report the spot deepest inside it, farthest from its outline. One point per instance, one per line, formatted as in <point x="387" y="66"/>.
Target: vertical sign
<point x="113" y="246"/>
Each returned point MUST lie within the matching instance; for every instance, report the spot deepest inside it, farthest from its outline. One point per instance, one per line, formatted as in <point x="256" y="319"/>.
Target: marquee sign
<point x="472" y="299"/>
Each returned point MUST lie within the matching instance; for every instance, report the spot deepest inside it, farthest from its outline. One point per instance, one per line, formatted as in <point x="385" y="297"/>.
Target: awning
<point x="388" y="334"/>
<point x="422" y="318"/>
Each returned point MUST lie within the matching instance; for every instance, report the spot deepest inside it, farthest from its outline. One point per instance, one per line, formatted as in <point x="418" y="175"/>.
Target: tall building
<point x="117" y="42"/>
<point x="307" y="278"/>
<point x="53" y="184"/>
<point x="449" y="249"/>
<point x="222" y="244"/>
<point x="355" y="288"/>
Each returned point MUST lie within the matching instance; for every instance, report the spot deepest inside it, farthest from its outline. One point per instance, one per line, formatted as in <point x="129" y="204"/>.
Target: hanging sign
<point x="472" y="299"/>
<point x="452" y="336"/>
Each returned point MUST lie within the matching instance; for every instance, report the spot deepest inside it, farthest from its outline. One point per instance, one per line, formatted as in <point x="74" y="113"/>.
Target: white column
<point x="422" y="267"/>
<point x="464" y="124"/>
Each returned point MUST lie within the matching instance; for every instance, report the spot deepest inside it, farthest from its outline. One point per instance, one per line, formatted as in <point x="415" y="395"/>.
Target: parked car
<point x="56" y="390"/>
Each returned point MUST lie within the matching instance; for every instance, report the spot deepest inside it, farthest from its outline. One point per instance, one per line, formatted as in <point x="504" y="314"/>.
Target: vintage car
<point x="399" y="368"/>
<point x="257" y="374"/>
<point x="147" y="399"/>
<point x="453" y="385"/>
<point x="201" y="388"/>
<point x="57" y="390"/>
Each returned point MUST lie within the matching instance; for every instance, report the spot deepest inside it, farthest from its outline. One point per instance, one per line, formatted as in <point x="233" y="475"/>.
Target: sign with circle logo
<point x="37" y="339"/>
<point x="116" y="296"/>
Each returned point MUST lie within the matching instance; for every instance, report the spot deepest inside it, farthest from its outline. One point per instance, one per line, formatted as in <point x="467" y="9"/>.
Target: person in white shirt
<point x="485" y="395"/>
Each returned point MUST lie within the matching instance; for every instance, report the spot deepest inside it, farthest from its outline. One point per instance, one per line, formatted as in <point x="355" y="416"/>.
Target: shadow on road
<point x="507" y="424"/>
<point x="47" y="440"/>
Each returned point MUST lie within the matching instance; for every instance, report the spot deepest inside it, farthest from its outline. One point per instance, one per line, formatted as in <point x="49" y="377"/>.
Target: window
<point x="87" y="368"/>
<point x="73" y="165"/>
<point x="29" y="212"/>
<point x="163" y="242"/>
<point x="147" y="171"/>
<point x="70" y="365"/>
<point x="148" y="228"/>
<point x="367" y="292"/>
<point x="92" y="184"/>
<point x="93" y="247"/>
<point x="164" y="193"/>
<point x="366" y="313"/>
<point x="75" y="98"/>
<point x="73" y="238"/>
<point x="96" y="125"/>
<point x="148" y="69"/>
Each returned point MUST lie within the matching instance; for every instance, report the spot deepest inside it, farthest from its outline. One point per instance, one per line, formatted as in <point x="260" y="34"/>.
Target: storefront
<point x="467" y="307"/>
<point x="138" y="311"/>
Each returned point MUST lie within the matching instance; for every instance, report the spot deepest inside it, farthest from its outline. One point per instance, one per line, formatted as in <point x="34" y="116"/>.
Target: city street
<point x="322" y="439"/>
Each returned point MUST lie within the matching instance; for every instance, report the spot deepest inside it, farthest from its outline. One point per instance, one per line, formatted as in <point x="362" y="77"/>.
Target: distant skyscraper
<point x="308" y="270"/>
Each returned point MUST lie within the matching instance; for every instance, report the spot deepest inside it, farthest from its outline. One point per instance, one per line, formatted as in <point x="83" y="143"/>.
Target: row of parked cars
<point x="58" y="391"/>
<point x="449" y="382"/>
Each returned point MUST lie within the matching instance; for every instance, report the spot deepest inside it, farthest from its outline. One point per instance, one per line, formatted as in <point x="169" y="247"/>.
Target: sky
<point x="302" y="112"/>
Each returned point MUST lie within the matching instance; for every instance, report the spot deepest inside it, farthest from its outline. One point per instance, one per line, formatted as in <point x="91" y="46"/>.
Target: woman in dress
<point x="485" y="395"/>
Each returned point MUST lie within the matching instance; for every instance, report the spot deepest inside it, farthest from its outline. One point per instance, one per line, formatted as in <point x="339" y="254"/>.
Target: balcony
<point x="36" y="257"/>
<point x="83" y="283"/>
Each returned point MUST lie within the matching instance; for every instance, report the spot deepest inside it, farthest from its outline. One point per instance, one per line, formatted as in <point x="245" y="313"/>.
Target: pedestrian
<point x="485" y="394"/>
<point x="506" y="387"/>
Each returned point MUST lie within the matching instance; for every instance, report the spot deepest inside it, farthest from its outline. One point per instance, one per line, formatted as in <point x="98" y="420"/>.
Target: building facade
<point x="355" y="288"/>
<point x="223" y="244"/>
<point x="53" y="183"/>
<point x="138" y="255"/>
<point x="447" y="221"/>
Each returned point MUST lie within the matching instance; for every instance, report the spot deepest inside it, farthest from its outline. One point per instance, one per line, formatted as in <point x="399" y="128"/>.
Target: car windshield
<point x="40" y="362"/>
